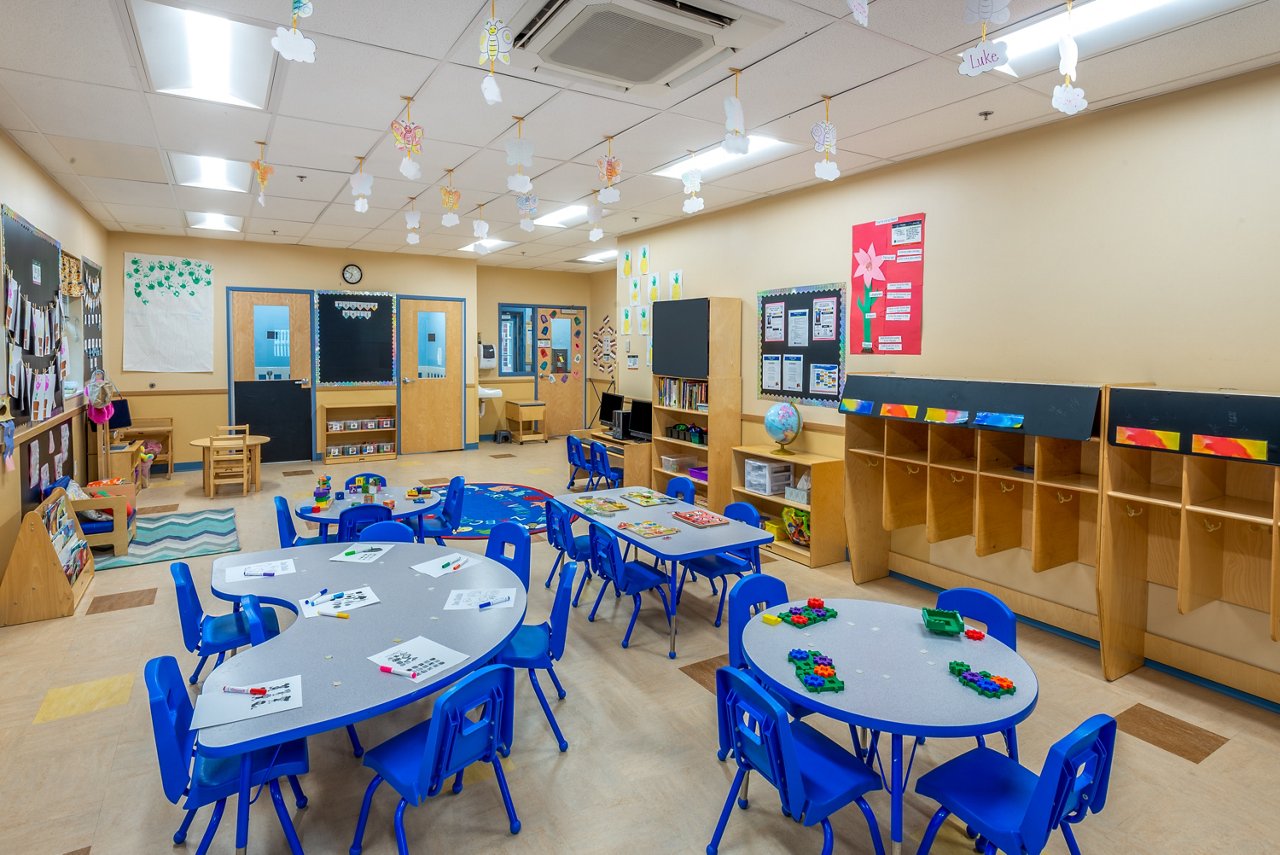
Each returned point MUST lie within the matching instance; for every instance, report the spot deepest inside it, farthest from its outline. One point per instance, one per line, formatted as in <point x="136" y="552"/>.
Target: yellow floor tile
<point x="84" y="698"/>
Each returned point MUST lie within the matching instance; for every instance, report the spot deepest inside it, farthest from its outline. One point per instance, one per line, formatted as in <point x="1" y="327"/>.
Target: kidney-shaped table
<point x="340" y="686"/>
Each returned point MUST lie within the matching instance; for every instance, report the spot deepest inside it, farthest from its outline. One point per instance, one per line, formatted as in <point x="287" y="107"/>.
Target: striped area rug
<point x="166" y="537"/>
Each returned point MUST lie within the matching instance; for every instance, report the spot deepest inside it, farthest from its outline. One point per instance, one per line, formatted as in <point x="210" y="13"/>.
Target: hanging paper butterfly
<point x="496" y="40"/>
<point x="824" y="137"/>
<point x="986" y="11"/>
<point x="408" y="136"/>
<point x="449" y="198"/>
<point x="692" y="180"/>
<point x="610" y="168"/>
<point x="263" y="173"/>
<point x="302" y="8"/>
<point x="519" y="152"/>
<point x="527" y="205"/>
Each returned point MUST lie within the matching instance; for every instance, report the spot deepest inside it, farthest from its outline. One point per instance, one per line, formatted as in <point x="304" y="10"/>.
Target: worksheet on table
<point x="445" y="564"/>
<point x="214" y="706"/>
<point x="419" y="655"/>
<point x="471" y="598"/>
<point x="352" y="598"/>
<point x="363" y="553"/>
<point x="262" y="568"/>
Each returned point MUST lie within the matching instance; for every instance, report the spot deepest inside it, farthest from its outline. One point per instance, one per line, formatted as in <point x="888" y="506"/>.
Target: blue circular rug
<point x="486" y="505"/>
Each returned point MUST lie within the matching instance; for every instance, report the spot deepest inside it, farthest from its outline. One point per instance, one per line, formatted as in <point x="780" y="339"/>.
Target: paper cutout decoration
<point x="480" y="230"/>
<point x="986" y="11"/>
<point x="735" y="137"/>
<point x="262" y="172"/>
<point x="624" y="263"/>
<point x="407" y="136"/>
<point x="609" y="168"/>
<point x="1000" y="420"/>
<point x="644" y="259"/>
<point x="857" y="407"/>
<point x="361" y="188"/>
<point x="1164" y="440"/>
<point x="692" y="184"/>
<point x="1226" y="446"/>
<point x="449" y="199"/>
<point x="983" y="56"/>
<point x="489" y="89"/>
<point x="824" y="143"/>
<point x="675" y="285"/>
<point x="519" y="150"/>
<point x="860" y="12"/>
<point x="595" y="234"/>
<point x="412" y="222"/>
<point x="291" y="44"/>
<point x="1067" y="98"/>
<point x="900" y="411"/>
<point x="302" y="9"/>
<point x="938" y="415"/>
<point x="496" y="40"/>
<point x="527" y="205"/>
<point x="1068" y="55"/>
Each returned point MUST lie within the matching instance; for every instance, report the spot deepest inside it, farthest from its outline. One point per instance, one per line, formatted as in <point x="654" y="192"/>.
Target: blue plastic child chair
<point x="541" y="646"/>
<point x="601" y="471"/>
<point x="185" y="771"/>
<point x="1001" y="625"/>
<point x="577" y="460"/>
<point x="682" y="488"/>
<point x="1011" y="809"/>
<point x="814" y="776"/>
<point x="208" y="635"/>
<point x="450" y="516"/>
<point x="732" y="562"/>
<point x="288" y="531"/>
<point x="629" y="578"/>
<point x="508" y="534"/>
<point x="388" y="531"/>
<point x="354" y="519"/>
<point x="418" y="762"/>
<point x="560" y="536"/>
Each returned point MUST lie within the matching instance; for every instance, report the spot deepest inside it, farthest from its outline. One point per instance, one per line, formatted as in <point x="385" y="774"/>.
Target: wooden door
<point x="432" y="375"/>
<point x="562" y="368"/>
<point x="271" y="346"/>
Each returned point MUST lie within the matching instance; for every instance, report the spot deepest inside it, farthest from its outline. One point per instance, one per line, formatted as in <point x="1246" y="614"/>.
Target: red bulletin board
<point x="887" y="311"/>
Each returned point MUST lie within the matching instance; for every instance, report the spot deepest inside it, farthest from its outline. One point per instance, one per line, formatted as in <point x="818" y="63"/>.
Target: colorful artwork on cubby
<point x="888" y="258"/>
<point x="1225" y="446"/>
<point x="938" y="416"/>
<point x="899" y="411"/>
<point x="1164" y="440"/>
<point x="999" y="420"/>
<point x="857" y="407"/>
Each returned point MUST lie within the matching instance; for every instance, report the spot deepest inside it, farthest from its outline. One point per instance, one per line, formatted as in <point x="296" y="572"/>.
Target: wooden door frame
<point x="311" y="356"/>
<point x="586" y="326"/>
<point x="462" y="375"/>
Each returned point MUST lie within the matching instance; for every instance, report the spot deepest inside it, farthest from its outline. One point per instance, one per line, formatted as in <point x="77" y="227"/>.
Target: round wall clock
<point x="352" y="274"/>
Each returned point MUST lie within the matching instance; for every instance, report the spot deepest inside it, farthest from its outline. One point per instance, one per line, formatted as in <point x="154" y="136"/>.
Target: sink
<point x="485" y="394"/>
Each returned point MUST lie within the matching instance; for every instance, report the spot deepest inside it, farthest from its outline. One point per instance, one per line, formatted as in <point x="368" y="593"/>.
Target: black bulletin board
<point x="680" y="338"/>
<point x="91" y="274"/>
<point x="355" y="338"/>
<point x="26" y="249"/>
<point x="817" y="356"/>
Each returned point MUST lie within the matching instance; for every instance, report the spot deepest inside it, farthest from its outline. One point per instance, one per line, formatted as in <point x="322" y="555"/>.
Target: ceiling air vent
<point x="632" y="43"/>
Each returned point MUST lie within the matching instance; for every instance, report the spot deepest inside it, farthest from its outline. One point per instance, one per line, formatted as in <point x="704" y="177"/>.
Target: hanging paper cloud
<point x="302" y="9"/>
<point x="595" y="213"/>
<point x="608" y="195"/>
<point x="527" y="205"/>
<point x="986" y="11"/>
<point x="519" y="152"/>
<point x="410" y="169"/>
<point x="481" y="249"/>
<point x="361" y="188"/>
<point x="827" y="170"/>
<point x="983" y="56"/>
<point x="1068" y="99"/>
<point x="694" y="204"/>
<point x="496" y="40"/>
<point x="361" y="205"/>
<point x="449" y="219"/>
<point x="519" y="183"/>
<point x="595" y="234"/>
<point x="692" y="180"/>
<point x="479" y="229"/>
<point x="412" y="238"/>
<point x="412" y="219"/>
<point x="735" y="138"/>
<point x="293" y="45"/>
<point x="860" y="11"/>
<point x="489" y="89"/>
<point x="1068" y="55"/>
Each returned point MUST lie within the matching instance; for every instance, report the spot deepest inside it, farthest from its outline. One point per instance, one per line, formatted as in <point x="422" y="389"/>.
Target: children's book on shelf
<point x="648" y="498"/>
<point x="599" y="505"/>
<point x="649" y="529"/>
<point x="700" y="519"/>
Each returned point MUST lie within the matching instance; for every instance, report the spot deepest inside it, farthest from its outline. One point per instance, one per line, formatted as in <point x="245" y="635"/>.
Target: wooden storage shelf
<point x="683" y="443"/>
<point x="905" y="485"/>
<point x="1007" y="473"/>
<point x="949" y="504"/>
<point x="791" y="551"/>
<point x="825" y="506"/>
<point x="906" y="438"/>
<point x="1080" y="481"/>
<point x="1229" y="488"/>
<point x="336" y="433"/>
<point x="919" y="457"/>
<point x="1064" y="527"/>
<point x="1145" y="476"/>
<point x="683" y="473"/>
<point x="1224" y="559"/>
<point x="680" y="410"/>
<point x="865" y="433"/>
<point x="952" y="446"/>
<point x="357" y="412"/>
<point x="1150" y="494"/>
<point x="1068" y="463"/>
<point x="998" y="520"/>
<point x="753" y="496"/>
<point x="1006" y="452"/>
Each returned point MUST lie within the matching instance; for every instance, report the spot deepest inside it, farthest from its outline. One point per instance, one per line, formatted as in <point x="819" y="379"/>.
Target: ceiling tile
<point x="117" y="191"/>
<point x="38" y="147"/>
<point x="260" y="225"/>
<point x="74" y="185"/>
<point x="97" y="210"/>
<point x="140" y="215"/>
<point x="271" y="238"/>
<point x="215" y="201"/>
<point x="787" y="172"/>
<point x="11" y="115"/>
<point x="214" y="234"/>
<point x="315" y="145"/>
<point x="75" y="41"/>
<point x="297" y="210"/>
<point x="716" y="197"/>
<point x="319" y="185"/>
<point x="343" y="233"/>
<point x="454" y="110"/>
<point x="352" y="83"/>
<point x="487" y="171"/>
<point x="642" y="189"/>
<point x="436" y="157"/>
<point x="919" y="23"/>
<point x="655" y="143"/>
<point x="342" y="213"/>
<point x="203" y="127"/>
<point x="82" y="110"/>
<point x="110" y="160"/>
<point x="572" y="122"/>
<point x="325" y="242"/>
<point x="568" y="182"/>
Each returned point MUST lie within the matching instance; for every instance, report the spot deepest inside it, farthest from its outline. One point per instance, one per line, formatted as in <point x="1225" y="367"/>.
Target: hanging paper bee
<point x="610" y="168"/>
<point x="986" y="11"/>
<point x="408" y="136"/>
<point x="824" y="137"/>
<point x="263" y="173"/>
<point x="449" y="198"/>
<point x="496" y="40"/>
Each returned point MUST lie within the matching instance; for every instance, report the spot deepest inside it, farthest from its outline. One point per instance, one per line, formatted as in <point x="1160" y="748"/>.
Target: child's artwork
<point x="1000" y="420"/>
<point x="1165" y="440"/>
<point x="644" y="260"/>
<point x="226" y="704"/>
<point x="937" y="415"/>
<point x="675" y="285"/>
<point x="649" y="529"/>
<point x="648" y="498"/>
<point x="474" y="598"/>
<point x="644" y="320"/>
<point x="168" y="314"/>
<point x="624" y="264"/>
<point x="654" y="281"/>
<point x="261" y="569"/>
<point x="418" y="658"/>
<point x="899" y="411"/>
<point x="1225" y="446"/>
<point x="626" y="320"/>
<point x="635" y="291"/>
<point x="363" y="553"/>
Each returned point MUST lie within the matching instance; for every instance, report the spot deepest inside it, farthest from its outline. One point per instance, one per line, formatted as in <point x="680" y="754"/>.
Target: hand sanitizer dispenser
<point x="488" y="357"/>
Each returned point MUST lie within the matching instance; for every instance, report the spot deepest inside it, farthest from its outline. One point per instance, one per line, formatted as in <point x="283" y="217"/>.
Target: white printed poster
<point x="773" y="321"/>
<point x="824" y="379"/>
<point x="771" y="371"/>
<point x="168" y="314"/>
<point x="798" y="328"/>
<point x="824" y="319"/>
<point x="793" y="372"/>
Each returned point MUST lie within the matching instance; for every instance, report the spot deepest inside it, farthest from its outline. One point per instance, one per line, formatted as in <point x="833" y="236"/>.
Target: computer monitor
<point x="641" y="420"/>
<point x="609" y="404"/>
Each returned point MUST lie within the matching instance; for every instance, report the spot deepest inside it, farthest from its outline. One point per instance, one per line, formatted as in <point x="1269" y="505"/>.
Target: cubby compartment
<point x="1230" y="488"/>
<point x="998" y="521"/>
<point x="953" y="447"/>
<point x="865" y="434"/>
<point x="1009" y="455"/>
<point x="906" y="440"/>
<point x="1145" y="475"/>
<point x="905" y="488"/>
<point x="1068" y="463"/>
<point x="1224" y="558"/>
<point x="1064" y="527"/>
<point x="950" y="504"/>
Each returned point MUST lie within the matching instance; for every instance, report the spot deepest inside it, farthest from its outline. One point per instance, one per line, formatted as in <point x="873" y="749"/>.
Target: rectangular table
<point x="688" y="544"/>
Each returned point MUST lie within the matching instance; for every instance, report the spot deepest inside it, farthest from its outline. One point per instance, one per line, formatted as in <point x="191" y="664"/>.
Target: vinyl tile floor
<point x="641" y="771"/>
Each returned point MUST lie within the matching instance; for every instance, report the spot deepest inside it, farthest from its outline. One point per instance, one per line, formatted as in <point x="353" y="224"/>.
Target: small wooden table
<point x="254" y="443"/>
<point x="159" y="429"/>
<point x="530" y="413"/>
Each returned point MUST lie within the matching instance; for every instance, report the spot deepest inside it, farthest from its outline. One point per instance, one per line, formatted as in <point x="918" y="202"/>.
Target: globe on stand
<point x="783" y="424"/>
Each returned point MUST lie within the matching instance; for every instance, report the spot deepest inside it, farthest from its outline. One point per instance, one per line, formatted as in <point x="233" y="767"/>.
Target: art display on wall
<point x="604" y="347"/>
<point x="36" y="349"/>
<point x="888" y="286"/>
<point x="800" y="332"/>
<point x="168" y="314"/>
<point x="91" y="326"/>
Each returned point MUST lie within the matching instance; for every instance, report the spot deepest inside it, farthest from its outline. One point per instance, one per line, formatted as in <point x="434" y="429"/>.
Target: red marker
<point x="240" y="690"/>
<point x="387" y="669"/>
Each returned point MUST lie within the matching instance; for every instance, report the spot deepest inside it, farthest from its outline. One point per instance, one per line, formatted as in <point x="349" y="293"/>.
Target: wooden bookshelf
<point x="362" y="436"/>
<point x="51" y="566"/>
<point x="825" y="506"/>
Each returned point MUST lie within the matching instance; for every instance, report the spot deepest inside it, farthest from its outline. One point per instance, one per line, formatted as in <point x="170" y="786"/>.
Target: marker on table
<point x="240" y="690"/>
<point x="454" y="563"/>
<point x="494" y="602"/>
<point x="314" y="599"/>
<point x="258" y="573"/>
<point x="362" y="551"/>
<point x="342" y="615"/>
<point x="400" y="672"/>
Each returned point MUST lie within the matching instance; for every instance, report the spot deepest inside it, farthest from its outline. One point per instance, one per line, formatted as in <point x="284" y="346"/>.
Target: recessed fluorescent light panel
<point x="212" y="173"/>
<point x="1100" y="26"/>
<point x="204" y="56"/>
<point x="717" y="161"/>
<point x="489" y="244"/>
<point x="600" y="257"/>
<point x="214" y="222"/>
<point x="563" y="217"/>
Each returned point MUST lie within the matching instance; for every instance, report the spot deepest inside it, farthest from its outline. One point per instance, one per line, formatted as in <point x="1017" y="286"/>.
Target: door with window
<point x="271" y="346"/>
<point x="561" y="365"/>
<point x="432" y="375"/>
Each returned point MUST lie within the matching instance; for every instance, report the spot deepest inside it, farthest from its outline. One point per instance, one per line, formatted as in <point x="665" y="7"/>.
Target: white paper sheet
<point x="215" y="706"/>
<point x="254" y="571"/>
<point x="771" y="371"/>
<point x="363" y="553"/>
<point x="352" y="598"/>
<point x="419" y="654"/>
<point x="471" y="598"/>
<point x="168" y="314"/>
<point x="773" y="321"/>
<point x="793" y="372"/>
<point x="798" y="328"/>
<point x="437" y="567"/>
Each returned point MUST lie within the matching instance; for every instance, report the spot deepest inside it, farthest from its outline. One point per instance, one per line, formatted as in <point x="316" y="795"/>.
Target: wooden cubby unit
<point x="905" y="487"/>
<point x="826" y="502"/>
<point x="358" y="412"/>
<point x="950" y="504"/>
<point x="953" y="447"/>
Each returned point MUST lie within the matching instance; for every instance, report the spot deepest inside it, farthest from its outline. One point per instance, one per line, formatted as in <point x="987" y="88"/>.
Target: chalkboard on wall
<point x="680" y="331"/>
<point x="355" y="338"/>
<point x="800" y="332"/>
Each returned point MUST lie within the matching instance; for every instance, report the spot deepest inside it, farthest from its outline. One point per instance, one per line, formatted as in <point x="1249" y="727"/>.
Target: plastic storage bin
<point x="386" y="423"/>
<point x="353" y="424"/>
<point x="386" y="447"/>
<point x="677" y="464"/>
<point x="698" y="473"/>
<point x="335" y="427"/>
<point x="767" y="477"/>
<point x="369" y="424"/>
<point x="795" y="494"/>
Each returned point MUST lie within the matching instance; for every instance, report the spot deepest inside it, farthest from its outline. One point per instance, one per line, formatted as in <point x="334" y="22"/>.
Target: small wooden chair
<point x="233" y="430"/>
<point x="228" y="464"/>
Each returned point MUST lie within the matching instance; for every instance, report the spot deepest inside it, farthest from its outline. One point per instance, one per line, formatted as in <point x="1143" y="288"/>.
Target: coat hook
<point x="913" y="470"/>
<point x="872" y="462"/>
<point x="956" y="479"/>
<point x="1132" y="511"/>
<point x="1063" y="498"/>
<point x="1210" y="526"/>
<point x="1006" y="487"/>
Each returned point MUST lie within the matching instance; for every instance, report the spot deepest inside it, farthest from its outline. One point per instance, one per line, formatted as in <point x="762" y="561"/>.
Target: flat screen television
<point x="609" y="404"/>
<point x="641" y="420"/>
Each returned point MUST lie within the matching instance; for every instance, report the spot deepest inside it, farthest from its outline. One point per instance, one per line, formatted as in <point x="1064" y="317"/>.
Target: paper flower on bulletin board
<point x="262" y="172"/>
<point x="824" y="142"/>
<point x="361" y="188"/>
<point x="609" y="168"/>
<point x="986" y="11"/>
<point x="519" y="155"/>
<point x="692" y="184"/>
<point x="1068" y="98"/>
<point x="449" y="199"/>
<point x="290" y="43"/>
<point x="496" y="40"/>
<point x="735" y="126"/>
<point x="527" y="205"/>
<point x="408" y="139"/>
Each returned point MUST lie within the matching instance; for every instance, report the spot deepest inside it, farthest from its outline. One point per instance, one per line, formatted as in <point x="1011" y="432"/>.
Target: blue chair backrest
<point x="577" y="456"/>
<point x="559" y="533"/>
<point x="1073" y="780"/>
<point x="284" y="523"/>
<point x="369" y="477"/>
<point x="516" y="536"/>
<point x="606" y="556"/>
<point x="387" y="531"/>
<point x="559" y="619"/>
<point x="190" y="612"/>
<point x="981" y="606"/>
<point x="748" y="593"/>
<point x="451" y="513"/>
<point x="600" y="459"/>
<point x="760" y="735"/>
<point x="171" y="712"/>
<point x="681" y="488"/>
<point x="455" y="740"/>
<point x="744" y="512"/>
<point x="353" y="520"/>
<point x="252" y="611"/>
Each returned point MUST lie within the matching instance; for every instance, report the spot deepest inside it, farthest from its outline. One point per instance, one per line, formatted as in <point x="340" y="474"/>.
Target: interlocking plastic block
<point x="815" y="671"/>
<point x="983" y="682"/>
<point x="807" y="615"/>
<point x="957" y="667"/>
<point x="771" y="620"/>
<point x="815" y="603"/>
<point x="974" y="634"/>
<point x="943" y="621"/>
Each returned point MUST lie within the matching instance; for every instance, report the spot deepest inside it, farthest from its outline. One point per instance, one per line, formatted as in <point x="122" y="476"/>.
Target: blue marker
<point x="315" y="598"/>
<point x="494" y="602"/>
<point x="320" y="601"/>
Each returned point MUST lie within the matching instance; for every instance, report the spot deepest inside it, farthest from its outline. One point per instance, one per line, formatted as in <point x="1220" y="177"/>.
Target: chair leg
<point x="828" y="839"/>
<point x="358" y="843"/>
<point x="931" y="832"/>
<point x="439" y="540"/>
<point x="290" y="833"/>
<point x="992" y="850"/>
<point x="212" y="827"/>
<point x="1070" y="837"/>
<point x="457" y="782"/>
<point x="554" y="568"/>
<point x="356" y="748"/>
<point x="582" y="583"/>
<point x="714" y="845"/>
<point x="506" y="795"/>
<point x="402" y="843"/>
<point x="181" y="834"/>
<point x="600" y="596"/>
<point x="546" y="709"/>
<point x="724" y="589"/>
<point x="195" y="675"/>
<point x="743" y="802"/>
<point x="551" y="671"/>
<point x="635" y="612"/>
<point x="1011" y="743"/>
<point x="877" y="839"/>
<point x="299" y="797"/>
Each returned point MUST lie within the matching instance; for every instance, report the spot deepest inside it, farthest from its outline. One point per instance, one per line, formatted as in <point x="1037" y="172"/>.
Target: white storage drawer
<point x="767" y="476"/>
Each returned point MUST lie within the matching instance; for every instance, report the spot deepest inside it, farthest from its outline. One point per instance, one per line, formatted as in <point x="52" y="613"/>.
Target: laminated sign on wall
<point x="168" y="314"/>
<point x="888" y="286"/>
